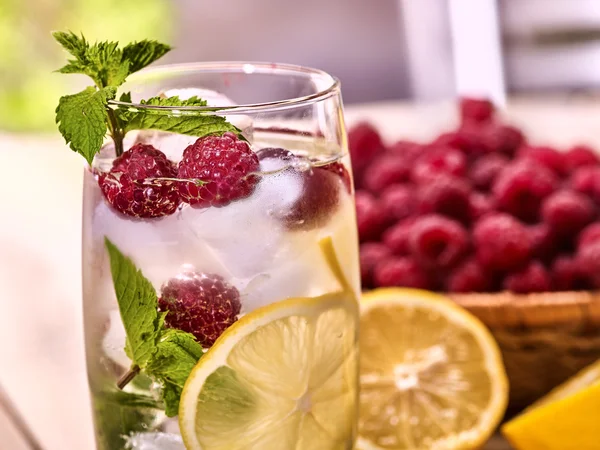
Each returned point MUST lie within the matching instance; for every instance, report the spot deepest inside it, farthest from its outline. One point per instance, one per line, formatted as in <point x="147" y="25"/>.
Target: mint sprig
<point x="82" y="119"/>
<point x="86" y="117"/>
<point x="166" y="355"/>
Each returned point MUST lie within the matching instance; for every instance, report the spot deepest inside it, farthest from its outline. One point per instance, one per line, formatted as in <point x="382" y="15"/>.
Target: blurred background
<point x="400" y="49"/>
<point x="386" y="52"/>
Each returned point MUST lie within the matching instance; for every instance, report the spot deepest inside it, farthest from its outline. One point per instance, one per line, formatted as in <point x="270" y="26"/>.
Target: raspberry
<point x="440" y="160"/>
<point x="409" y="151"/>
<point x="589" y="235"/>
<point x="585" y="180"/>
<point x="365" y="144"/>
<point x="543" y="241"/>
<point x="520" y="188"/>
<point x="501" y="242"/>
<point x="480" y="205"/>
<point x="399" y="201"/>
<point x="340" y="170"/>
<point x="476" y="110"/>
<point x="396" y="238"/>
<point x="201" y="304"/>
<point x="446" y="195"/>
<point x="546" y="156"/>
<point x="370" y="216"/>
<point x="567" y="212"/>
<point x="533" y="278"/>
<point x="129" y="186"/>
<point x="568" y="275"/>
<point x="502" y="138"/>
<point x="484" y="171"/>
<point x="580" y="156"/>
<point x="469" y="277"/>
<point x="452" y="139"/>
<point x="437" y="242"/>
<point x="320" y="188"/>
<point x="371" y="253"/>
<point x="405" y="272"/>
<point x="384" y="172"/>
<point x="588" y="259"/>
<point x="224" y="164"/>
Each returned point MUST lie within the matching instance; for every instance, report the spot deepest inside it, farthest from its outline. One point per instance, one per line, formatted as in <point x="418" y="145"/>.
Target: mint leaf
<point x="176" y="355"/>
<point x="102" y="61"/>
<point x="137" y="304"/>
<point x="82" y="119"/>
<point x="143" y="53"/>
<point x="105" y="62"/>
<point x="190" y="123"/>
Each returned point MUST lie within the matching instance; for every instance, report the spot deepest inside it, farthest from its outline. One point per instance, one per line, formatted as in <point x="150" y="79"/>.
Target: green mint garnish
<point x="193" y="125"/>
<point x="86" y="117"/>
<point x="166" y="355"/>
<point x="82" y="119"/>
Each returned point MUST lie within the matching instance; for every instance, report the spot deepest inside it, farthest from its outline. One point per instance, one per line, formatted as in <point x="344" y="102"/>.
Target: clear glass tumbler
<point x="221" y="273"/>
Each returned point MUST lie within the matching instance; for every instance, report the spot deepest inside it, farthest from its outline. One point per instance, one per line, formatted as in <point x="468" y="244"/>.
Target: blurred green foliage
<point x="29" y="88"/>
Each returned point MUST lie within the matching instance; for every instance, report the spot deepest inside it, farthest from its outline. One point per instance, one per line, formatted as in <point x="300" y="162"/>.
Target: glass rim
<point x="238" y="67"/>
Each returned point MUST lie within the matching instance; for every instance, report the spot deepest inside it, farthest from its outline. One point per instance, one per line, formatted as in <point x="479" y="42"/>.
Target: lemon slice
<point x="282" y="377"/>
<point x="431" y="374"/>
<point x="565" y="418"/>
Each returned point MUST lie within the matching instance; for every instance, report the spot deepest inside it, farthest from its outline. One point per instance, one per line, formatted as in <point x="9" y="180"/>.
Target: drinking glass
<point x="263" y="271"/>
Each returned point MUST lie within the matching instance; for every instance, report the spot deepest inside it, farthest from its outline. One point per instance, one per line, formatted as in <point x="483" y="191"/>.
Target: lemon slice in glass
<point x="282" y="377"/>
<point x="431" y="374"/>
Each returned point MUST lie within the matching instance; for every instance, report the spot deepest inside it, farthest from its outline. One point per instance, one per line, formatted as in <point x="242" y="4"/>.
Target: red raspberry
<point x="568" y="275"/>
<point x="501" y="242"/>
<point x="480" y="205"/>
<point x="371" y="253"/>
<point x="385" y="171"/>
<point x="365" y="144"/>
<point x="543" y="241"/>
<point x="485" y="170"/>
<point x="580" y="156"/>
<point x="452" y="139"/>
<point x="225" y="165"/>
<point x="476" y="110"/>
<point x="589" y="235"/>
<point x="585" y="180"/>
<point x="440" y="160"/>
<point x="370" y="216"/>
<point x="320" y="188"/>
<point x="588" y="259"/>
<point x="448" y="196"/>
<point x="396" y="237"/>
<point x="400" y="272"/>
<point x="437" y="242"/>
<point x="520" y="188"/>
<point x="409" y="151"/>
<point x="201" y="304"/>
<point x="131" y="189"/>
<point x="533" y="278"/>
<point x="340" y="170"/>
<point x="469" y="277"/>
<point x="567" y="212"/>
<point x="546" y="156"/>
<point x="502" y="138"/>
<point x="399" y="201"/>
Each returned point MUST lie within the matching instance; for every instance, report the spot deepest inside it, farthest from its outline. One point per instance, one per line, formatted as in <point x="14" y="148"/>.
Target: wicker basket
<point x="545" y="338"/>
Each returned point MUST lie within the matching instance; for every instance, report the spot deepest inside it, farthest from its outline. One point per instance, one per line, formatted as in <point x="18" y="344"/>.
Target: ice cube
<point x="154" y="441"/>
<point x="158" y="247"/>
<point x="244" y="236"/>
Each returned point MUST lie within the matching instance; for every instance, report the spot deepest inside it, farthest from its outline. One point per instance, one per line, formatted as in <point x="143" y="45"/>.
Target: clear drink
<point x="263" y="274"/>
